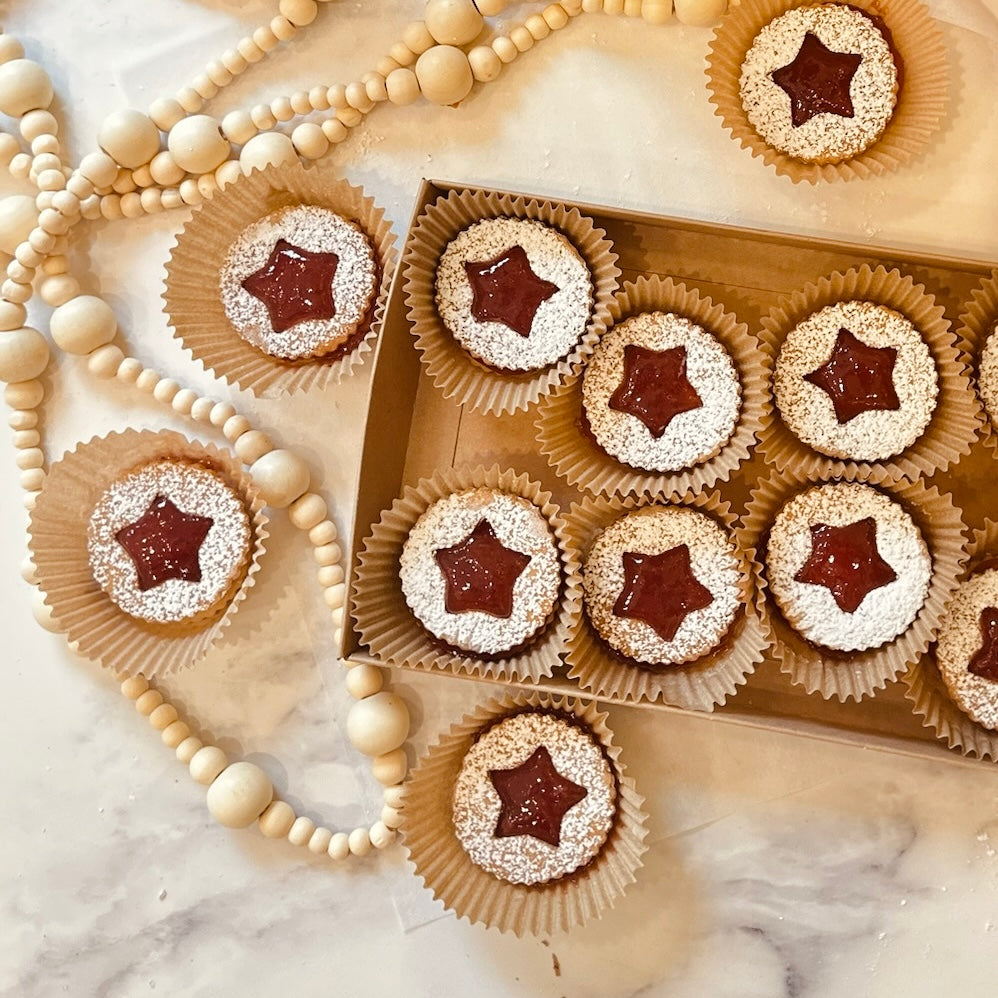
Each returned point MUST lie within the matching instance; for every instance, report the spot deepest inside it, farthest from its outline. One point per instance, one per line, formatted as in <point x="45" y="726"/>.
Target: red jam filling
<point x="654" y="387"/>
<point x="535" y="798"/>
<point x="857" y="378"/>
<point x="661" y="590"/>
<point x="846" y="561"/>
<point x="984" y="661"/>
<point x="818" y="81"/>
<point x="295" y="285"/>
<point x="506" y="289"/>
<point x="165" y="543"/>
<point x="480" y="573"/>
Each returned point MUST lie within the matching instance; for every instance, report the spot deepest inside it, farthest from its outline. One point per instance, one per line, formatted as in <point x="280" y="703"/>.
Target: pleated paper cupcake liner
<point x="977" y="323"/>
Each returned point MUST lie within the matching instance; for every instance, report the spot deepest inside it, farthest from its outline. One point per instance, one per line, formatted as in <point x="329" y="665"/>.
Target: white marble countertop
<point x="779" y="866"/>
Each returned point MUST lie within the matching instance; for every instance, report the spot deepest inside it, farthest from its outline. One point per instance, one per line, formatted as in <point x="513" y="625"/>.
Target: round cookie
<point x="480" y="571"/>
<point x="847" y="566"/>
<point x="660" y="393"/>
<point x="514" y="292"/>
<point x="169" y="542"/>
<point x="856" y="381"/>
<point x="820" y="83"/>
<point x="299" y="283"/>
<point x="967" y="648"/>
<point x="987" y="376"/>
<point x="661" y="585"/>
<point x="535" y="798"/>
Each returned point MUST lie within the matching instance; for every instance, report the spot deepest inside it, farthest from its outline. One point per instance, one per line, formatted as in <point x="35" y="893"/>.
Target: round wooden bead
<point x="391" y="816"/>
<point x="394" y="796"/>
<point x="33" y="457"/>
<point x="164" y="170"/>
<point x="357" y="98"/>
<point x="129" y="137"/>
<point x="503" y="47"/>
<point x="10" y="48"/>
<point x="307" y="511"/>
<point x="24" y="86"/>
<point x="339" y="846"/>
<point x="252" y="445"/>
<point x="26" y="438"/>
<point x="28" y="570"/>
<point x="24" y="354"/>
<point x="59" y="289"/>
<point x="165" y="113"/>
<point x="327" y="554"/>
<point x="82" y="324"/>
<point x="239" y="795"/>
<point x="105" y="360"/>
<point x="33" y="479"/>
<point x="453" y="22"/>
<point x="270" y="149"/>
<point x="281" y="477"/>
<point x="334" y="130"/>
<point x="99" y="168"/>
<point x="403" y="87"/>
<point x="163" y="716"/>
<point x="12" y="316"/>
<point x="485" y="64"/>
<point x="221" y="413"/>
<point x="184" y="401"/>
<point x="20" y="166"/>
<point x="36" y="124"/>
<point x="657" y="11"/>
<point x="539" y="28"/>
<point x="129" y="370"/>
<point x="360" y="842"/>
<point x="301" y="831"/>
<point x="402" y="54"/>
<point x="381" y="835"/>
<point x="490" y="8"/>
<point x="207" y="763"/>
<point x="416" y="36"/>
<point x="134" y="686"/>
<point x="24" y="394"/>
<point x="522" y="38"/>
<point x="329" y="575"/>
<point x="265" y="39"/>
<point x="391" y="767"/>
<point x="147" y="702"/>
<point x="699" y="13"/>
<point x="175" y="733"/>
<point x="324" y="532"/>
<point x="377" y="91"/>
<point x="299" y="12"/>
<point x="22" y="419"/>
<point x="202" y="408"/>
<point x="188" y="748"/>
<point x="555" y="15"/>
<point x="364" y="680"/>
<point x="197" y="144"/>
<point x="378" y="724"/>
<point x="238" y="127"/>
<point x="319" y="842"/>
<point x="235" y="426"/>
<point x="9" y="146"/>
<point x="18" y="216"/>
<point x="309" y="140"/>
<point x="444" y="74"/>
<point x="165" y="389"/>
<point x="277" y="820"/>
<point x="42" y="612"/>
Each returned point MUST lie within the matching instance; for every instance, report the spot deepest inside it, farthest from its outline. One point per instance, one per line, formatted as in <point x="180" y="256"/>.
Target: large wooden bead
<point x="18" y="216"/>
<point x="378" y="724"/>
<point x="280" y="476"/>
<point x="699" y="12"/>
<point x="83" y="324"/>
<point x="24" y="354"/>
<point x="453" y="22"/>
<point x="24" y="87"/>
<point x="129" y="137"/>
<point x="197" y="144"/>
<point x="239" y="795"/>
<point x="207" y="763"/>
<point x="444" y="74"/>
<point x="269" y="149"/>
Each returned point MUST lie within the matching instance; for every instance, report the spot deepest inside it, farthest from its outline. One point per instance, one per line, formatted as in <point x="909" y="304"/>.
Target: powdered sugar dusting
<point x="558" y="323"/>
<point x="319" y="231"/>
<point x="653" y="531"/>
<point x="524" y="859"/>
<point x="519" y="525"/>
<point x="827" y="137"/>
<point x="988" y="376"/>
<point x="960" y="639"/>
<point x="808" y="410"/>
<point x="222" y="556"/>
<point x="691" y="437"/>
<point x="885" y="612"/>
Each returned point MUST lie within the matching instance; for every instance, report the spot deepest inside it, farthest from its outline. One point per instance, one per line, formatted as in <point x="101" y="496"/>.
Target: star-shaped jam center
<point x="294" y="284"/>
<point x="654" y="387"/>
<point x="845" y="560"/>
<point x="165" y="543"/>
<point x="661" y="590"/>
<point x="984" y="661"/>
<point x="480" y="573"/>
<point x="857" y="378"/>
<point x="535" y="798"/>
<point x="506" y="289"/>
<point x="818" y="81"/>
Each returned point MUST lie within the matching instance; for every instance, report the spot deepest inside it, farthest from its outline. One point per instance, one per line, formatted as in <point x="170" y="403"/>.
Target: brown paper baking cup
<point x="466" y="889"/>
<point x="854" y="675"/>
<point x="388" y="627"/>
<point x="927" y="690"/>
<point x="921" y="103"/>
<point x="954" y="425"/>
<point x="700" y="685"/>
<point x="576" y="456"/>
<point x="976" y="325"/>
<point x="194" y="305"/>
<point x="454" y="371"/>
<point x="58" y="542"/>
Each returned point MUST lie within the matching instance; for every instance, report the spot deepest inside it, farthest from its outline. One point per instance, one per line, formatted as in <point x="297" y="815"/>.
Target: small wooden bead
<point x="24" y="87"/>
<point x="381" y="835"/>
<point x="386" y="65"/>
<point x="360" y="842"/>
<point x="12" y="314"/>
<point x="41" y="240"/>
<point x="90" y="207"/>
<point x="165" y="389"/>
<point x="29" y="500"/>
<point x="147" y="380"/>
<point x="238" y="127"/>
<point x="207" y="763"/>
<point x="337" y="96"/>
<point x="164" y="170"/>
<point x="31" y="457"/>
<point x="308" y="510"/>
<point x="699" y="13"/>
<point x="189" y="99"/>
<point x="334" y="596"/>
<point x="188" y="748"/>
<point x="327" y="554"/>
<point x="24" y="354"/>
<point x="24" y="394"/>
<point x="22" y="419"/>
<point x="66" y="203"/>
<point x="394" y="796"/>
<point x="32" y="479"/>
<point x="262" y="117"/>
<point x="391" y="817"/>
<point x="129" y="137"/>
<point x="104" y="361"/>
<point x="265" y="39"/>
<point x="539" y="28"/>
<point x="350" y="116"/>
<point x="521" y="38"/>
<point x="16" y="271"/>
<point x="310" y="141"/>
<point x="249" y="50"/>
<point x="277" y="820"/>
<point x="197" y="144"/>
<point x="129" y="370"/>
<point x="657" y="11"/>
<point x="485" y="64"/>
<point x="172" y="198"/>
<point x="99" y="168"/>
<point x="556" y="16"/>
<point x="281" y="109"/>
<point x="205" y="86"/>
<point x="201" y="409"/>
<point x="453" y="22"/>
<point x="190" y="193"/>
<point x="173" y="734"/>
<point x="9" y="146"/>
<point x="147" y="702"/>
<point x="281" y="477"/>
<point x="82" y="324"/>
<point x="632" y="8"/>
<point x="79" y="185"/>
<point x="165" y="113"/>
<point x="183" y="400"/>
<point x="163" y="716"/>
<point x="18" y="217"/>
<point x="330" y="575"/>
<point x="218" y="74"/>
<point x="378" y="724"/>
<point x="58" y="290"/>
<point x="490" y="8"/>
<point x="301" y="831"/>
<point x="55" y="264"/>
<point x="503" y="47"/>
<point x="339" y="847"/>
<point x="51" y="221"/>
<point x="613" y="8"/>
<point x="319" y="842"/>
<point x="270" y="149"/>
<point x="334" y="130"/>
<point x="10" y="48"/>
<point x="41" y="611"/>
<point x="235" y="426"/>
<point x="444" y="74"/>
<point x="364" y="681"/>
<point x="221" y="413"/>
<point x="134" y="686"/>
<point x="336" y="617"/>
<point x="391" y="767"/>
<point x="234" y="62"/>
<point x="227" y="173"/>
<point x="24" y="439"/>
<point x="283" y="28"/>
<point x="356" y="94"/>
<point x="417" y="37"/>
<point x="239" y="795"/>
<point x="20" y="166"/>
<point x="317" y="98"/>
<point x="251" y="446"/>
<point x="50" y="180"/>
<point x="324" y="532"/>
<point x="402" y="54"/>
<point x="299" y="12"/>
